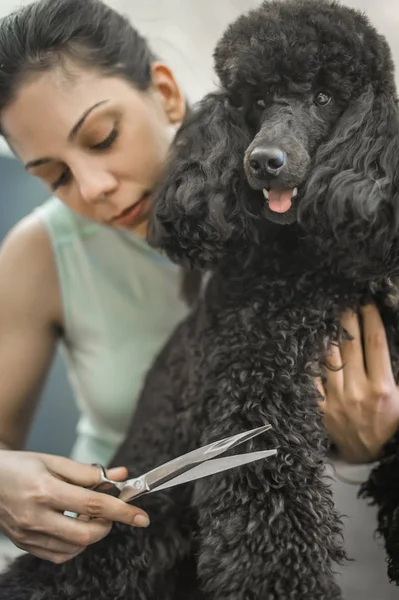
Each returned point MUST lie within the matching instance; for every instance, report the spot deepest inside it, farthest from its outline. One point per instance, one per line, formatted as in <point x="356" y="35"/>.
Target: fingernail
<point x="141" y="521"/>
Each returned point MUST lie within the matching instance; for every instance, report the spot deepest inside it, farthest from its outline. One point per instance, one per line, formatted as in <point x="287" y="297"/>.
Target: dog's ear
<point x="351" y="201"/>
<point x="196" y="216"/>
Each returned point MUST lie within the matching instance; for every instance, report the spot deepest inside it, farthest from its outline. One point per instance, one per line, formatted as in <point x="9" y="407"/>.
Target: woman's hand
<point x="361" y="400"/>
<point x="35" y="490"/>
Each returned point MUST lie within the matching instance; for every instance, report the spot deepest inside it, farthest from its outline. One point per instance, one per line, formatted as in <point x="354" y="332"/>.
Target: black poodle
<point x="284" y="184"/>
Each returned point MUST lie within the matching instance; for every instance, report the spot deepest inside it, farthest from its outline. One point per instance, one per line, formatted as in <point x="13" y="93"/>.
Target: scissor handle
<point x="104" y="480"/>
<point x="131" y="487"/>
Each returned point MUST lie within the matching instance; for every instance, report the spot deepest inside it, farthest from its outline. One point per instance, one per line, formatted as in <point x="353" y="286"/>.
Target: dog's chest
<point x="279" y="311"/>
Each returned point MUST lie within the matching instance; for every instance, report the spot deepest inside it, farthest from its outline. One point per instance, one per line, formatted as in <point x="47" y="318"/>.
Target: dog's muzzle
<point x="271" y="172"/>
<point x="263" y="166"/>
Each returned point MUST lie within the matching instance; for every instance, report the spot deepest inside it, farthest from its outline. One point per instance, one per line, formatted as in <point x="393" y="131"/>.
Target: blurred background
<point x="183" y="33"/>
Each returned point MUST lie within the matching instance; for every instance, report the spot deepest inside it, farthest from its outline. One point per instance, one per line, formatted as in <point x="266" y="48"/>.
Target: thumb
<point x="322" y="399"/>
<point x="117" y="473"/>
<point x="320" y="388"/>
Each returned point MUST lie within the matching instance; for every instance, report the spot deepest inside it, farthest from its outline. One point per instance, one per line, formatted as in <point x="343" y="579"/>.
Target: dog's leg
<point x="130" y="564"/>
<point x="269" y="530"/>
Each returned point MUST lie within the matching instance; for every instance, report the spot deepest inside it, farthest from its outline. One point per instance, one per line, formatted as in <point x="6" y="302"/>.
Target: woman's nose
<point x="96" y="186"/>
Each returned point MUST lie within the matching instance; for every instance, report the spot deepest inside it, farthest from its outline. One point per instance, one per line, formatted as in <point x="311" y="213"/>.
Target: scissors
<point x="188" y="467"/>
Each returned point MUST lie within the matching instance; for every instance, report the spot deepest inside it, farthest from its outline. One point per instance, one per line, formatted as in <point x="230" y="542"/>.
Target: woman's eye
<point x="260" y="103"/>
<point x="107" y="143"/>
<point x="62" y="180"/>
<point x="322" y="98"/>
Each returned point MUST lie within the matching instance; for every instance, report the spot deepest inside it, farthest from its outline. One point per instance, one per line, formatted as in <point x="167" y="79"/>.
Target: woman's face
<point x="97" y="142"/>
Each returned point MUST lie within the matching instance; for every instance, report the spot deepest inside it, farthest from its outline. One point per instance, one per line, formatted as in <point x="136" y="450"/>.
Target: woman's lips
<point x="131" y="214"/>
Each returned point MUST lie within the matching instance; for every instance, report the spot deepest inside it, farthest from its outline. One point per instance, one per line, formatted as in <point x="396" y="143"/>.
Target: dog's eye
<point x="322" y="98"/>
<point x="260" y="103"/>
<point x="234" y="103"/>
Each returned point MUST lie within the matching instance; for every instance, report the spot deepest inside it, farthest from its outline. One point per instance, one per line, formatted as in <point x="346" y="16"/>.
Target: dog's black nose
<point x="266" y="161"/>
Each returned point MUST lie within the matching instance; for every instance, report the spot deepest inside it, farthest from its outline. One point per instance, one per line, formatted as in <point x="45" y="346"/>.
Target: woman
<point x="88" y="109"/>
<point x="94" y="123"/>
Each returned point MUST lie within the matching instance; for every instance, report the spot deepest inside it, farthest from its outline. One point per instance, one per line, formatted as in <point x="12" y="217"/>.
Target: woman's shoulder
<point x="28" y="241"/>
<point x="26" y="258"/>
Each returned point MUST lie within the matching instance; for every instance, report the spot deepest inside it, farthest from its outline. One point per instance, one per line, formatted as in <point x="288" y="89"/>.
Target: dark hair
<point x="43" y="34"/>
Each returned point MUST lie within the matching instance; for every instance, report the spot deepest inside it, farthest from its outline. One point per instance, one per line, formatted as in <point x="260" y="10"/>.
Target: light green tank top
<point x="121" y="301"/>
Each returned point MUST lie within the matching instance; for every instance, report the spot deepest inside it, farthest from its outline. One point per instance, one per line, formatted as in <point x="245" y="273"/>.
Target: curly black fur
<point x="249" y="351"/>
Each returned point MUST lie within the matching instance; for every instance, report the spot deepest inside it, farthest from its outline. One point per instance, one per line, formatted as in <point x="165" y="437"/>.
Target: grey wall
<point x="53" y="429"/>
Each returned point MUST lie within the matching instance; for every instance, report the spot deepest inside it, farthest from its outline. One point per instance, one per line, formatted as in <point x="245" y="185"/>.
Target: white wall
<point x="184" y="32"/>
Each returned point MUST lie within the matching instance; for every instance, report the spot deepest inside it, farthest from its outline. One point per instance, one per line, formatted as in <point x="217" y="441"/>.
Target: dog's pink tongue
<point x="280" y="200"/>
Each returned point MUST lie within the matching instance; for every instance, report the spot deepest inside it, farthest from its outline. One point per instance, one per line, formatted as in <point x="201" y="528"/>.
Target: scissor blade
<point x="186" y="462"/>
<point x="212" y="467"/>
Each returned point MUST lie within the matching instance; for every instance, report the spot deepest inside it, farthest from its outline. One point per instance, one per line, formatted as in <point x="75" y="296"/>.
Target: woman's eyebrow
<point x="37" y="162"/>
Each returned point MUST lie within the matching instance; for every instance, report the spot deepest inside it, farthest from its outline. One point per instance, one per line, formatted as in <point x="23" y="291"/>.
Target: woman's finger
<point x="62" y="534"/>
<point x="376" y="350"/>
<point x="334" y="374"/>
<point x="51" y="544"/>
<point x="54" y="557"/>
<point x="79" y="473"/>
<point x="354" y="372"/>
<point x="67" y="497"/>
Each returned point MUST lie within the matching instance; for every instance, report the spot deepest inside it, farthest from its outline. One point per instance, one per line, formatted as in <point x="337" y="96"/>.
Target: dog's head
<point x="303" y="128"/>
